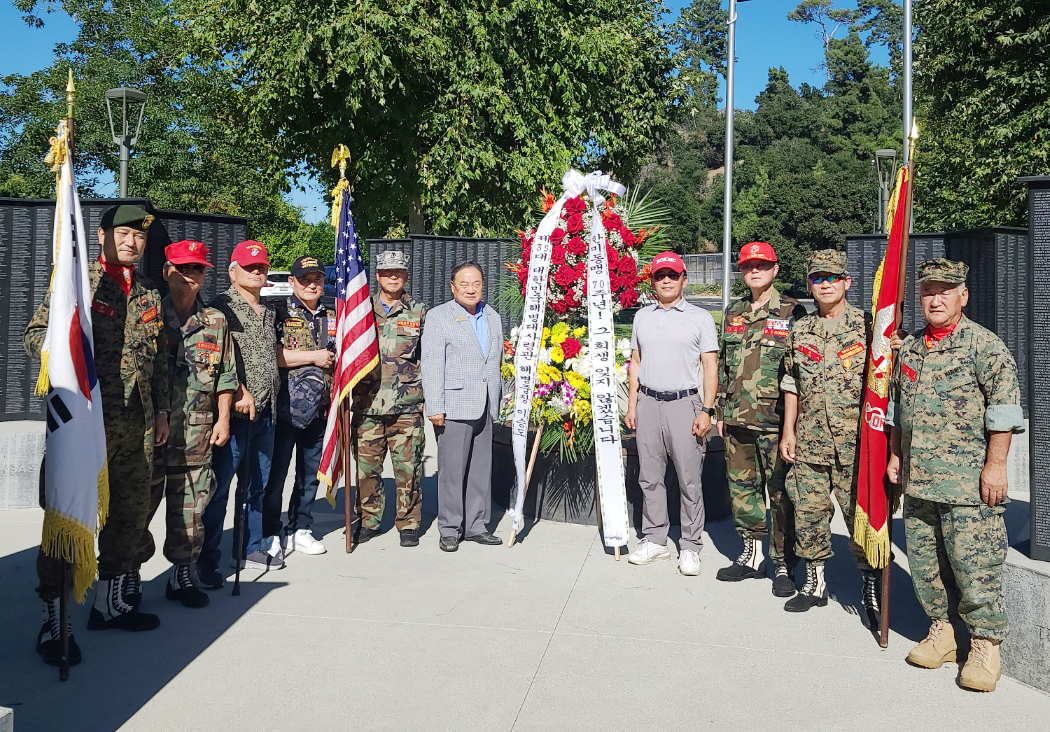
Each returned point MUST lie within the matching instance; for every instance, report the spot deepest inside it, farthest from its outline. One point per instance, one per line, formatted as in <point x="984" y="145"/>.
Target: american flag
<point x="356" y="345"/>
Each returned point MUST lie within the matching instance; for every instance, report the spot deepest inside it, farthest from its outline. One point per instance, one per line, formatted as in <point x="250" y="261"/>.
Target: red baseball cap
<point x="250" y="252"/>
<point x="757" y="250"/>
<point x="667" y="260"/>
<point x="187" y="252"/>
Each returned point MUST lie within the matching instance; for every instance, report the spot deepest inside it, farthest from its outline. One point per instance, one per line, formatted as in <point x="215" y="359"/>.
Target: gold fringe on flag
<point x="876" y="544"/>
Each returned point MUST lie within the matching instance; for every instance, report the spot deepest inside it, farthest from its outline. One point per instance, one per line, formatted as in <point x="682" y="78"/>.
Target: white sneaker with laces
<point x="689" y="562"/>
<point x="303" y="540"/>
<point x="647" y="552"/>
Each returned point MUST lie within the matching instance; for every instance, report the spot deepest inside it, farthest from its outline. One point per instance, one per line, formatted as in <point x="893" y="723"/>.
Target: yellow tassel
<point x="876" y="544"/>
<point x="103" y="495"/>
<point x="337" y="200"/>
<point x="42" y="380"/>
<point x="71" y="541"/>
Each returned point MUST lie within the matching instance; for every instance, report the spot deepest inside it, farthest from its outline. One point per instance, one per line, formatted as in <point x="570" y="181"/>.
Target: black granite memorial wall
<point x="26" y="233"/>
<point x="1036" y="308"/>
<point x="432" y="259"/>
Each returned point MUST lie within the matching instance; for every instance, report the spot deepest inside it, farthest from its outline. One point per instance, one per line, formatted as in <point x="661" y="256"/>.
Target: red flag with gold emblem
<point x="870" y="528"/>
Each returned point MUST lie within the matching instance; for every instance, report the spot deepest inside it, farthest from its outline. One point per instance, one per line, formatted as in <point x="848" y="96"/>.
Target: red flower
<point x="557" y="236"/>
<point x="629" y="239"/>
<point x="575" y="205"/>
<point x="612" y="221"/>
<point x="581" y="270"/>
<point x="548" y="201"/>
<point x="613" y="256"/>
<point x="558" y="255"/>
<point x="576" y="246"/>
<point x="575" y="223"/>
<point x="570" y="347"/>
<point x="628" y="297"/>
<point x="565" y="275"/>
<point x="572" y="299"/>
<point x="627" y="267"/>
<point x="526" y="254"/>
<point x="559" y="307"/>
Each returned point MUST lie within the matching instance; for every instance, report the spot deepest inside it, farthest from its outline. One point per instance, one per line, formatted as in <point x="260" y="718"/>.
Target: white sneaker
<point x="689" y="562"/>
<point x="304" y="541"/>
<point x="647" y="552"/>
<point x="272" y="546"/>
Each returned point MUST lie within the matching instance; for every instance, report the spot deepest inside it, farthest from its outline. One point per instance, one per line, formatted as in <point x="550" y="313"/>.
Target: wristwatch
<point x="709" y="411"/>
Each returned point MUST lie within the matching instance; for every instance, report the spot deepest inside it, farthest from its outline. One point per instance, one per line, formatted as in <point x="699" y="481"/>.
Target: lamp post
<point x="886" y="167"/>
<point x="727" y="224"/>
<point x="126" y="132"/>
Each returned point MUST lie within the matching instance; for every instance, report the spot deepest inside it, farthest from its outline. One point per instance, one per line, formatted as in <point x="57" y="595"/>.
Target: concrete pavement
<point x="550" y="635"/>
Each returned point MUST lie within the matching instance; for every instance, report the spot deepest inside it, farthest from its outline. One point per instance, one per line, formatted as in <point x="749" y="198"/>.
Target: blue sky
<point x="765" y="38"/>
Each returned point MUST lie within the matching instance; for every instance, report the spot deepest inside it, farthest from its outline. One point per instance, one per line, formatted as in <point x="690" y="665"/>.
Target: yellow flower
<point x="559" y="333"/>
<point x="544" y="336"/>
<point x="574" y="379"/>
<point x="557" y="355"/>
<point x="579" y="332"/>
<point x="506" y="370"/>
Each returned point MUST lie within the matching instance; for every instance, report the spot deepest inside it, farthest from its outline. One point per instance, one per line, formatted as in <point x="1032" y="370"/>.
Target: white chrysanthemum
<point x="583" y="366"/>
<point x="621" y="374"/>
<point x="514" y="334"/>
<point x="545" y="355"/>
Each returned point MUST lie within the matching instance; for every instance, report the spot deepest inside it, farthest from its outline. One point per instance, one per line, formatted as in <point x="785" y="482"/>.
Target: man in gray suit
<point x="462" y="352"/>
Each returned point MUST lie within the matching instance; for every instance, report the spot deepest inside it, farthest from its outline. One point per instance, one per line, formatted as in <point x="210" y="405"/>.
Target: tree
<point x="983" y="98"/>
<point x="455" y="112"/>
<point x="195" y="151"/>
<point x="699" y="39"/>
<point x="829" y="19"/>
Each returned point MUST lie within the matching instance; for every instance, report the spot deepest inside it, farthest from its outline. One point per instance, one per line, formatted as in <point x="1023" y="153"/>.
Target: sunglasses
<point x="190" y="269"/>
<point x="830" y="279"/>
<point x="667" y="274"/>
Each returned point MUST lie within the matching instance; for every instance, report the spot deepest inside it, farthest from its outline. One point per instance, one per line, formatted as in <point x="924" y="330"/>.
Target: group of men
<point x="785" y="390"/>
<point x="195" y="395"/>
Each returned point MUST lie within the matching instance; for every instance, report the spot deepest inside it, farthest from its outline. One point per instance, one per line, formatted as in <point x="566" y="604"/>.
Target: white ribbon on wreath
<point x="612" y="494"/>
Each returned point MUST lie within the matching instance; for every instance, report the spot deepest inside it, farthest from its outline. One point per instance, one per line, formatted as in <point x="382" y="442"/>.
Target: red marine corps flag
<point x="871" y="523"/>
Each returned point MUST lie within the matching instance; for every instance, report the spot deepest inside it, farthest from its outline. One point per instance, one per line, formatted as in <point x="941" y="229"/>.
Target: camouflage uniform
<point x="751" y="363"/>
<point x="826" y="371"/>
<point x="389" y="415"/>
<point x="133" y="383"/>
<point x="944" y="397"/>
<point x="200" y="366"/>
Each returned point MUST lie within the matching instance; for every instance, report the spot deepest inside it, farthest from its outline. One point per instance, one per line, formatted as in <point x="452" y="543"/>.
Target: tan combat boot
<point x="982" y="666"/>
<point x="939" y="646"/>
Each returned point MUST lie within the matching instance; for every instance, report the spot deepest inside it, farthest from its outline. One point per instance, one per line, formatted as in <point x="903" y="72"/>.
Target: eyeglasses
<point x="667" y="274"/>
<point x="190" y="270"/>
<point x="830" y="279"/>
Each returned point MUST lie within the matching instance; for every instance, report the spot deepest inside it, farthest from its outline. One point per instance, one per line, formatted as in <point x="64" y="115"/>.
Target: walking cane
<point x="63" y="618"/>
<point x="241" y="500"/>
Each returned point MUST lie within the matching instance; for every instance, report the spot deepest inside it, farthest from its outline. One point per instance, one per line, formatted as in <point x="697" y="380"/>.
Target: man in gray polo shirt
<point x="670" y="341"/>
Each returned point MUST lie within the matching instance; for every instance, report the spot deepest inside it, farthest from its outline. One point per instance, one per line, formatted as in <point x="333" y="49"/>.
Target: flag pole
<point x="902" y="283"/>
<point x="348" y="513"/>
<point x="528" y="479"/>
<point x="63" y="603"/>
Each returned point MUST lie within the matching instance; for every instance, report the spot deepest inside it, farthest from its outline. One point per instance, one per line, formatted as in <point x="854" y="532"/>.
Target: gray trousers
<point x="667" y="428"/>
<point x="464" y="476"/>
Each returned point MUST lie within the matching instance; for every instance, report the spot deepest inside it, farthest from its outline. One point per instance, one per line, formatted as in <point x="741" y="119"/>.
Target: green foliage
<point x="699" y="40"/>
<point x="195" y="151"/>
<point x="983" y="93"/>
<point x="454" y="112"/>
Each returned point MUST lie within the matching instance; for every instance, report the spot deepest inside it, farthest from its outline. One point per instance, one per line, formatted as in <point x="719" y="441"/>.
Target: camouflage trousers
<point x="402" y="435"/>
<point x="129" y="452"/>
<point x="186" y="490"/>
<point x="956" y="556"/>
<point x="755" y="469"/>
<point x="810" y="488"/>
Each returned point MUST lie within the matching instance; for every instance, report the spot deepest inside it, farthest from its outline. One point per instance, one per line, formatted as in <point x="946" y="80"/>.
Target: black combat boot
<point x="112" y="611"/>
<point x="871" y="596"/>
<point x="749" y="565"/>
<point x="181" y="587"/>
<point x="49" y="640"/>
<point x="133" y="588"/>
<point x="783" y="580"/>
<point x="813" y="592"/>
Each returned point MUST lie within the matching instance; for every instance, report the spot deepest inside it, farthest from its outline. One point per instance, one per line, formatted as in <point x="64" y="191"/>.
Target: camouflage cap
<point x="392" y="259"/>
<point x="831" y="261"/>
<point x="126" y="215"/>
<point x="943" y="270"/>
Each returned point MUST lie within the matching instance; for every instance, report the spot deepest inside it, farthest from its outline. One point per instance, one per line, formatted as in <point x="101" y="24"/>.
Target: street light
<point x="126" y="100"/>
<point x="727" y="224"/>
<point x="886" y="168"/>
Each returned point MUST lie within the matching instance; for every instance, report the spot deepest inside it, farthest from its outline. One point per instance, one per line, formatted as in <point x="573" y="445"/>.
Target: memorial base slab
<point x="21" y="450"/>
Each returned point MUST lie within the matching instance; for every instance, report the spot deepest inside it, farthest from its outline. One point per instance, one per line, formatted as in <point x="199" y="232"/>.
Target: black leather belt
<point x="667" y="396"/>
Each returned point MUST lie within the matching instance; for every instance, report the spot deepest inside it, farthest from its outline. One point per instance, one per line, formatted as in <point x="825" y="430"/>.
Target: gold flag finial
<point x="340" y="157"/>
<point x="70" y="94"/>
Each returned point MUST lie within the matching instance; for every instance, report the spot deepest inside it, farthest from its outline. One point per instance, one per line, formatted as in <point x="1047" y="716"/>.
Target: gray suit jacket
<point x="457" y="375"/>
